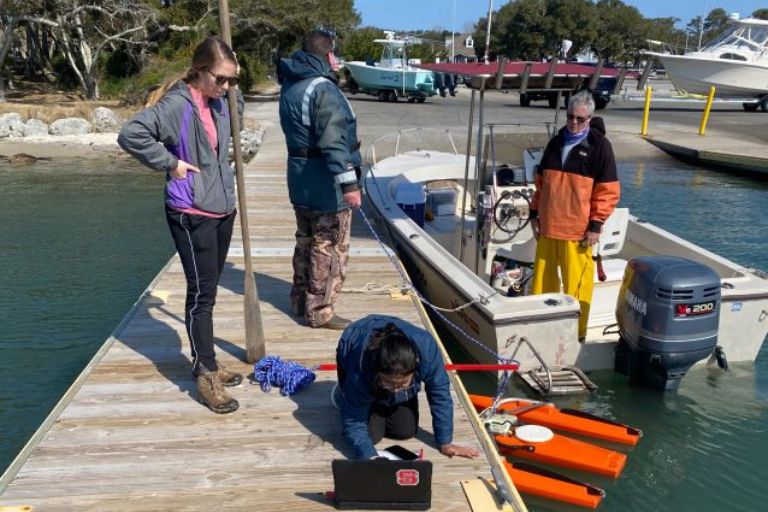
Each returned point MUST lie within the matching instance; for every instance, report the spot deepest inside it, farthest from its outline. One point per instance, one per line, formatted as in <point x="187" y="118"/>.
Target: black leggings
<point x="395" y="422"/>
<point x="202" y="244"/>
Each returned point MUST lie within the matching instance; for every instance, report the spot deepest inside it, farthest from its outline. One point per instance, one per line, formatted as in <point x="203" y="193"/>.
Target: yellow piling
<point x="646" y="110"/>
<point x="707" y="108"/>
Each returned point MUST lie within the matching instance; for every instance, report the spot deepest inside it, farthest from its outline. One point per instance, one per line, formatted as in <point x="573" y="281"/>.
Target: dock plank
<point x="133" y="437"/>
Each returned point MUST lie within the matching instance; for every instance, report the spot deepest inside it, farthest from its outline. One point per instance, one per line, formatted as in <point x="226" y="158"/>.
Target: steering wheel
<point x="506" y="213"/>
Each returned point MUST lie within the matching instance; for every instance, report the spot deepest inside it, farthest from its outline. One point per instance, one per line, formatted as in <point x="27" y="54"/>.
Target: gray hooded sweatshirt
<point x="172" y="130"/>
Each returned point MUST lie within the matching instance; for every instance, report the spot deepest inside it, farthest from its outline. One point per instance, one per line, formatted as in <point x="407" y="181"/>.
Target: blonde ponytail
<point x="155" y="96"/>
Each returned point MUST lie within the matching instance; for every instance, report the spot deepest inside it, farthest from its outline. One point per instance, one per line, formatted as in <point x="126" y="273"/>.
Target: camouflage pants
<point x="319" y="262"/>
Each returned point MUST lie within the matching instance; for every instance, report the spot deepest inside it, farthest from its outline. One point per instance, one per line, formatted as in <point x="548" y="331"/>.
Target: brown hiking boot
<point x="229" y="378"/>
<point x="336" y="323"/>
<point x="211" y="393"/>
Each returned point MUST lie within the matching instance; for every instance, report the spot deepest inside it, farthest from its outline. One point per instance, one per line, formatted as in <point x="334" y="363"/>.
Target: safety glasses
<point x="221" y="79"/>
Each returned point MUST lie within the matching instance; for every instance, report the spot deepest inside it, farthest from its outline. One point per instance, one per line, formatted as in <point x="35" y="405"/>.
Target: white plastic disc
<point x="534" y="433"/>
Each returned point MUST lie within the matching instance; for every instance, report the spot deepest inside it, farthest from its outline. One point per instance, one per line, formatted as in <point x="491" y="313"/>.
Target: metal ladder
<point x="554" y="381"/>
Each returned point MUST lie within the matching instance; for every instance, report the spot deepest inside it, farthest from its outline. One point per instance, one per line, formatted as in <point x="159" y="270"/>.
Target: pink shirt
<point x="206" y="116"/>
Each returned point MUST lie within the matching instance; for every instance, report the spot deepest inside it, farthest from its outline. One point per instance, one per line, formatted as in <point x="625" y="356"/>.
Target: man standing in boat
<point x="577" y="189"/>
<point x="323" y="157"/>
<point x="381" y="363"/>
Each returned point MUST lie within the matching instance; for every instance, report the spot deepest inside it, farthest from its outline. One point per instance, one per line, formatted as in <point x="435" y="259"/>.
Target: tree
<point x="620" y="31"/>
<point x="663" y="29"/>
<point x="279" y="25"/>
<point x="695" y="29"/>
<point x="574" y="20"/>
<point x="714" y="23"/>
<point x="534" y="29"/>
<point x="87" y="30"/>
<point x="358" y="44"/>
<point x="517" y="30"/>
<point x="12" y="15"/>
<point x="761" y="14"/>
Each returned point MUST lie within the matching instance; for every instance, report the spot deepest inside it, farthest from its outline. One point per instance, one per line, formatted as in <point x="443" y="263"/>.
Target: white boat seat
<point x="614" y="232"/>
<point x="606" y="293"/>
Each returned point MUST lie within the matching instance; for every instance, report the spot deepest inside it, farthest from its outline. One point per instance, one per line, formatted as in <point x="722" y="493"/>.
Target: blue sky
<point x="428" y="14"/>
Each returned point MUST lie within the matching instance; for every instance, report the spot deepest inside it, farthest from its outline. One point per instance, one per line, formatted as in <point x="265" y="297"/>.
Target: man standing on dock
<point x="577" y="189"/>
<point x="323" y="160"/>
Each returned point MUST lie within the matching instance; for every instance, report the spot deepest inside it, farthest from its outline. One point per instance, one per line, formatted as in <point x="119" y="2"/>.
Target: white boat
<point x="392" y="76"/>
<point x="453" y="259"/>
<point x="736" y="64"/>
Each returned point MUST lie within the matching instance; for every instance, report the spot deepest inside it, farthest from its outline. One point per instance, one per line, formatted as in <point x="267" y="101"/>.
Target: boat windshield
<point x="747" y="37"/>
<point x="393" y="55"/>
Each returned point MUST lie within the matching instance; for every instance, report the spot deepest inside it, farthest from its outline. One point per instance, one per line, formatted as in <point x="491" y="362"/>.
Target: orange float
<point x="562" y="451"/>
<point x="535" y="481"/>
<point x="565" y="420"/>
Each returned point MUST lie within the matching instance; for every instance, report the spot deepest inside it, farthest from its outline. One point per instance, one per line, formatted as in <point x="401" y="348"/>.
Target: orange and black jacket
<point x="580" y="195"/>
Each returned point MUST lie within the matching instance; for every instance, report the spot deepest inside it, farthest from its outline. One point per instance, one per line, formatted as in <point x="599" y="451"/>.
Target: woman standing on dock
<point x="189" y="118"/>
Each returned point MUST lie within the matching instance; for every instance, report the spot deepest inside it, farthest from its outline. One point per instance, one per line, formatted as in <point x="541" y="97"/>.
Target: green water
<point x="80" y="241"/>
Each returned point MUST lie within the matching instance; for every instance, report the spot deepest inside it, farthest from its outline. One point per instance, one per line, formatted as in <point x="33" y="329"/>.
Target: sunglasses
<point x="221" y="79"/>
<point x="579" y="119"/>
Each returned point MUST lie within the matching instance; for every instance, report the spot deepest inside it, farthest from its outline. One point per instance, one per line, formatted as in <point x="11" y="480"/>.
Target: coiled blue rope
<point x="289" y="376"/>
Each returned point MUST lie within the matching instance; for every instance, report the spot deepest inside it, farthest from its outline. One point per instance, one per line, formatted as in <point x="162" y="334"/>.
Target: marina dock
<point x="740" y="156"/>
<point x="130" y="434"/>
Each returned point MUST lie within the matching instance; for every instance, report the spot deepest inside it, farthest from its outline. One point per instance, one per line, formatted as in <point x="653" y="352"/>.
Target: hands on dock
<point x="450" y="450"/>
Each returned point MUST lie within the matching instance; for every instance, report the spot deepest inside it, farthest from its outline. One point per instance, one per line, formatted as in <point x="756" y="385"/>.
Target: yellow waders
<point x="576" y="268"/>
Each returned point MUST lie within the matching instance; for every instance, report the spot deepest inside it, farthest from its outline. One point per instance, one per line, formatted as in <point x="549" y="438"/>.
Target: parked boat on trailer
<point x="392" y="77"/>
<point x="735" y="63"/>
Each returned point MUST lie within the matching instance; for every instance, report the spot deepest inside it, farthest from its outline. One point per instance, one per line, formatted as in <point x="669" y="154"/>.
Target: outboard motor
<point x="668" y="315"/>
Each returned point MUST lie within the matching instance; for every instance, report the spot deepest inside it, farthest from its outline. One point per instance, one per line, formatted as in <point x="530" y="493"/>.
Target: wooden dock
<point x="130" y="435"/>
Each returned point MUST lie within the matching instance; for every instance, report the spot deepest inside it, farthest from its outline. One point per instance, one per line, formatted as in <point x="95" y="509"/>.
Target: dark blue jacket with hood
<point x="321" y="134"/>
<point x="357" y="374"/>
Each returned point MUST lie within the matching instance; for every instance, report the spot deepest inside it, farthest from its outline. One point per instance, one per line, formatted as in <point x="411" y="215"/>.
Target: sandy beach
<point x="92" y="145"/>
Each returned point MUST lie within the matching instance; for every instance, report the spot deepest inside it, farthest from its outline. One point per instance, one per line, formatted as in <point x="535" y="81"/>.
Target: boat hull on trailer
<point x="731" y="78"/>
<point x="496" y="323"/>
<point x="403" y="80"/>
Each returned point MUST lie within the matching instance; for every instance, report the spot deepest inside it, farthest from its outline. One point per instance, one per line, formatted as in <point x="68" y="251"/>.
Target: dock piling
<point x="646" y="110"/>
<point x="707" y="108"/>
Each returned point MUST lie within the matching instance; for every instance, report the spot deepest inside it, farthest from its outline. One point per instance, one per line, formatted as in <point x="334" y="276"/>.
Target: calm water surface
<point x="79" y="244"/>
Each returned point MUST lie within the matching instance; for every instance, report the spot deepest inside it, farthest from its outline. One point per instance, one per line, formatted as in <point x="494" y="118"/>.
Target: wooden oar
<point x="255" y="347"/>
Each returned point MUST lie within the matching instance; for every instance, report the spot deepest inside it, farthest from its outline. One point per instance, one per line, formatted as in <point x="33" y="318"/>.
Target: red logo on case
<point x="407" y="477"/>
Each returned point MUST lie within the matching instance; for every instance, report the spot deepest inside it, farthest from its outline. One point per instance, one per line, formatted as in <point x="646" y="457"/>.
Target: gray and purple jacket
<point x="172" y="130"/>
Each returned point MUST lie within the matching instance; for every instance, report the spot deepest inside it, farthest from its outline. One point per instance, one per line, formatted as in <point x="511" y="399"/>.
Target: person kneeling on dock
<point x="381" y="363"/>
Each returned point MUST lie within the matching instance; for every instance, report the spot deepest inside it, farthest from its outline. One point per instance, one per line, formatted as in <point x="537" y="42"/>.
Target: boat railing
<point x="407" y="141"/>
